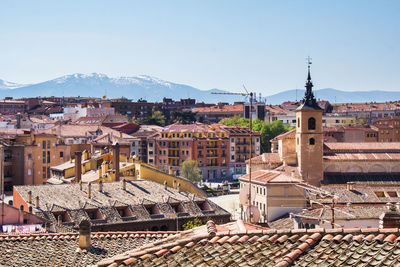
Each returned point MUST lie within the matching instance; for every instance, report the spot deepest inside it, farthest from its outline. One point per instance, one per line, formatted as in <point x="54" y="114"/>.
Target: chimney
<point x="78" y="166"/>
<point x="165" y="185"/>
<point x="116" y="161"/>
<point x="89" y="190"/>
<point x="100" y="186"/>
<point x="123" y="184"/>
<point x="120" y="134"/>
<point x="37" y="202"/>
<point x="29" y="197"/>
<point x="84" y="155"/>
<point x="80" y="185"/>
<point x="350" y="185"/>
<point x="84" y="235"/>
<point x="170" y="172"/>
<point x="179" y="187"/>
<point x="100" y="172"/>
<point x="389" y="219"/>
<point x="59" y="219"/>
<point x="92" y="149"/>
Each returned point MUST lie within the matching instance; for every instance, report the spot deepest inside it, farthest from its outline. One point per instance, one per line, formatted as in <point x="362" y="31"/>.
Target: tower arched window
<point x="311" y="123"/>
<point x="312" y="141"/>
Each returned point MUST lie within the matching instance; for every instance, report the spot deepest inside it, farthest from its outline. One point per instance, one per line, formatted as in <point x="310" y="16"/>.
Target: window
<point x="380" y="194"/>
<point x="298" y="122"/>
<point x="61" y="154"/>
<point x="43" y="144"/>
<point x="44" y="172"/>
<point x="29" y="156"/>
<point x="392" y="193"/>
<point x="311" y="123"/>
<point x="48" y="156"/>
<point x="44" y="157"/>
<point x="48" y="143"/>
<point x="312" y="141"/>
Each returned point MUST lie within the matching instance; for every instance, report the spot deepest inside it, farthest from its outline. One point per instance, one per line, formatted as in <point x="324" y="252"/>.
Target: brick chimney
<point x="84" y="235"/>
<point x="389" y="219"/>
<point x="100" y="186"/>
<point x="116" y="161"/>
<point x="78" y="166"/>
<point x="350" y="185"/>
<point x="37" y="202"/>
<point x="29" y="197"/>
<point x="89" y="190"/>
<point x="123" y="184"/>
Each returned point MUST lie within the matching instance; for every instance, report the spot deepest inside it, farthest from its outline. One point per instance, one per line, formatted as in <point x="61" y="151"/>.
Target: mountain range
<point x="154" y="89"/>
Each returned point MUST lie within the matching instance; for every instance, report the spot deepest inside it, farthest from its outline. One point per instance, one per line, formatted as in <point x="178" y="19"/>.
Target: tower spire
<point x="309" y="99"/>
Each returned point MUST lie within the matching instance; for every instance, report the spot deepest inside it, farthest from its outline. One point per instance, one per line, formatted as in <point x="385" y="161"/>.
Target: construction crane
<point x="251" y="137"/>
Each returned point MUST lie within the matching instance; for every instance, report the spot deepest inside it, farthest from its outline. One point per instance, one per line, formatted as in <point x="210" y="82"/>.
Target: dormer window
<point x="94" y="214"/>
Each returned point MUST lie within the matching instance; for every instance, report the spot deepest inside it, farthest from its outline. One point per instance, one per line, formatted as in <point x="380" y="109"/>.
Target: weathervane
<point x="309" y="62"/>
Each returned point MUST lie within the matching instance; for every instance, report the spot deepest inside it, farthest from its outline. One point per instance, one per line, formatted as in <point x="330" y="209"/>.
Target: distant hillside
<point x="336" y="96"/>
<point x="98" y="85"/>
<point x="154" y="89"/>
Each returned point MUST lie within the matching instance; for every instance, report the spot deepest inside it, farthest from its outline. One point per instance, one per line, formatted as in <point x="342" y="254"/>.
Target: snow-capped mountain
<point x="98" y="85"/>
<point x="155" y="89"/>
<point x="4" y="85"/>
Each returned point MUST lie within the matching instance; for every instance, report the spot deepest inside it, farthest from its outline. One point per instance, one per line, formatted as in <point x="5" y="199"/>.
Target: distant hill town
<point x="154" y="89"/>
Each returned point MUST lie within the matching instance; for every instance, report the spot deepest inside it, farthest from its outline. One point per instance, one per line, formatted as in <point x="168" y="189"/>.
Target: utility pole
<point x="251" y="138"/>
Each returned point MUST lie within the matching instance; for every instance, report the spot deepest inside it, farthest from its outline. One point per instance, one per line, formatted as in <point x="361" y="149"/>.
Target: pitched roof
<point x="298" y="247"/>
<point x="62" y="249"/>
<point x="363" y="146"/>
<point x="266" y="158"/>
<point x="268" y="176"/>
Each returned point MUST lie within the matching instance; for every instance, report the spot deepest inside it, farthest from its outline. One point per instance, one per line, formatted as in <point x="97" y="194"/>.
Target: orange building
<point x="208" y="145"/>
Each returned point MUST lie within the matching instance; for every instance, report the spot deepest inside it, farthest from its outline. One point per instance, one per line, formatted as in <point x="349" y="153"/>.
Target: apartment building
<point x="207" y="144"/>
<point x="239" y="148"/>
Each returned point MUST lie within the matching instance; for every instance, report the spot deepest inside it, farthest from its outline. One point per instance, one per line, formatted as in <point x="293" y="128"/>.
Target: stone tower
<point x="309" y="136"/>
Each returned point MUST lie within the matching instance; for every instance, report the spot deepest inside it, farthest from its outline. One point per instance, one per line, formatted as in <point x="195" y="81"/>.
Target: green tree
<point x="192" y="224"/>
<point x="185" y="117"/>
<point x="267" y="130"/>
<point x="191" y="171"/>
<point x="156" y="118"/>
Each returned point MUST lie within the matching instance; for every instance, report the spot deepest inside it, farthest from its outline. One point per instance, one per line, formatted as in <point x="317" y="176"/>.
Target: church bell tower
<point x="309" y="136"/>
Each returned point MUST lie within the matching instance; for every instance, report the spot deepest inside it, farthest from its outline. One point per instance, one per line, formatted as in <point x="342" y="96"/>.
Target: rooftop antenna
<point x="251" y="140"/>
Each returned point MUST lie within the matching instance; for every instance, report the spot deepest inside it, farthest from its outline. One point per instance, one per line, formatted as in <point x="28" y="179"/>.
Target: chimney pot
<point x="116" y="161"/>
<point x="100" y="186"/>
<point x="89" y="190"/>
<point x="78" y="166"/>
<point x="350" y="186"/>
<point x="123" y="184"/>
<point x="30" y="197"/>
<point x="37" y="202"/>
<point x="84" y="235"/>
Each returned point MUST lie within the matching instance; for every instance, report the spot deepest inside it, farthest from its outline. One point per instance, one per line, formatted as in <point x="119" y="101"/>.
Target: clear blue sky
<point x="206" y="44"/>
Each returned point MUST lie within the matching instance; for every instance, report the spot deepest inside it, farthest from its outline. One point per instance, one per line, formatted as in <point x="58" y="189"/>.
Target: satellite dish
<point x="255" y="214"/>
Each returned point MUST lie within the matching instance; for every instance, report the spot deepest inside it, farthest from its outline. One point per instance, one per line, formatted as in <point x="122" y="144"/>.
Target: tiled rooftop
<point x="266" y="158"/>
<point x="363" y="147"/>
<point x="312" y="247"/>
<point x="362" y="193"/>
<point x="268" y="176"/>
<point x="63" y="250"/>
<point x="141" y="201"/>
